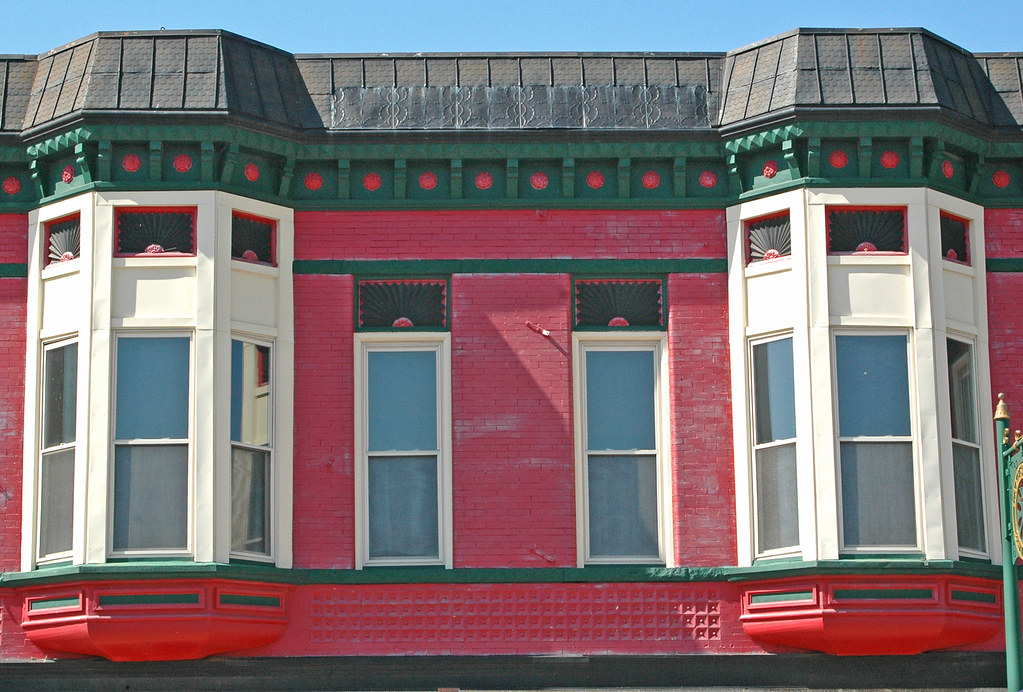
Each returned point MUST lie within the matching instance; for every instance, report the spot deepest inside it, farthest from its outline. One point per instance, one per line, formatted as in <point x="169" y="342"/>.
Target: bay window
<point x="251" y="426"/>
<point x="965" y="448"/>
<point x="57" y="457"/>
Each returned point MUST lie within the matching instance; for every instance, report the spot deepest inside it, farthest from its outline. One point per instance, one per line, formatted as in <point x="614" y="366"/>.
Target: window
<point x="57" y="459"/>
<point x="151" y="431"/>
<point x="404" y="442"/>
<point x="965" y="448"/>
<point x="621" y="451"/>
<point x="878" y="504"/>
<point x="251" y="425"/>
<point x="774" y="446"/>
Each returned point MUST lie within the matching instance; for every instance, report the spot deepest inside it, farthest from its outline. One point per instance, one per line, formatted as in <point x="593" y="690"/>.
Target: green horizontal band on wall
<point x="623" y="267"/>
<point x="882" y="594"/>
<point x="785" y="597"/>
<point x="46" y="603"/>
<point x="1004" y="264"/>
<point x="974" y="596"/>
<point x="250" y="600"/>
<point x="155" y="570"/>
<point x="13" y="270"/>
<point x="149" y="599"/>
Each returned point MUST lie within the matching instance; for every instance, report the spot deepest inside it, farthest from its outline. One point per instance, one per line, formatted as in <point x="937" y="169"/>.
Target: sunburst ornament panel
<point x="63" y="240"/>
<point x="955" y="243"/>
<point x="618" y="303"/>
<point x="252" y="238"/>
<point x="866" y="230"/>
<point x="769" y="237"/>
<point x="403" y="304"/>
<point x="155" y="231"/>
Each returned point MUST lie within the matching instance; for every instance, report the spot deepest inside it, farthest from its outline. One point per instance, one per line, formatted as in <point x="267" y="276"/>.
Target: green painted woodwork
<point x="148" y="599"/>
<point x="429" y="268"/>
<point x="250" y="600"/>
<point x="13" y="270"/>
<point x="785" y="597"/>
<point x="46" y="603"/>
<point x="974" y="596"/>
<point x="882" y="594"/>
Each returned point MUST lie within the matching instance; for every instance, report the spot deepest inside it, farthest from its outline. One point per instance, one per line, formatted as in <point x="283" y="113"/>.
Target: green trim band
<point x="595" y="267"/>
<point x="47" y="603"/>
<point x="786" y="597"/>
<point x="883" y="594"/>
<point x="976" y="597"/>
<point x="250" y="600"/>
<point x="149" y="599"/>
<point x="143" y="571"/>
<point x="1008" y="265"/>
<point x="13" y="270"/>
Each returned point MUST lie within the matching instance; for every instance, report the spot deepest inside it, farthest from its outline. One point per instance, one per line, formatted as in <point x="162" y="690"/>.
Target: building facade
<point x="621" y="355"/>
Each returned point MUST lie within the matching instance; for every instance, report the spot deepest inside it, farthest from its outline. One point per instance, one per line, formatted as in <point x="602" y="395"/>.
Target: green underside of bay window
<point x="156" y="570"/>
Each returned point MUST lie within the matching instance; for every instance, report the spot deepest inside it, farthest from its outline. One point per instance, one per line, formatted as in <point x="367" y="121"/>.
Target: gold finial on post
<point x="1002" y="409"/>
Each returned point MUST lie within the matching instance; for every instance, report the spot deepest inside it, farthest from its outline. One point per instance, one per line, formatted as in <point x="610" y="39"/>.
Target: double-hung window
<point x="965" y="448"/>
<point x="622" y="454"/>
<point x="875" y="441"/>
<point x="57" y="458"/>
<point x="774" y="446"/>
<point x="151" y="449"/>
<point x="404" y="446"/>
<point x="251" y="430"/>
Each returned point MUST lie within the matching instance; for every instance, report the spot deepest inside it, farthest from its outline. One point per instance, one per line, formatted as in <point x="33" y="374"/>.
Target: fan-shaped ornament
<point x="147" y="232"/>
<point x="618" y="303"/>
<point x="402" y="304"/>
<point x="866" y="230"/>
<point x="64" y="240"/>
<point x="770" y="238"/>
<point x="954" y="233"/>
<point x="252" y="239"/>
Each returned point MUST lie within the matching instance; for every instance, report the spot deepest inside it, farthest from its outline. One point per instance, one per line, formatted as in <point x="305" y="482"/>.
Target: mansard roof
<point x="209" y="76"/>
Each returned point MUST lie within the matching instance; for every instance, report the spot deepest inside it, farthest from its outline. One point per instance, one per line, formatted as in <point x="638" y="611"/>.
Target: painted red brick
<point x="1005" y="296"/>
<point x="12" y="405"/>
<point x="511" y="234"/>
<point x="513" y="459"/>
<point x="704" y="477"/>
<point x="1003" y="232"/>
<point x="324" y="510"/>
<point x="14" y="231"/>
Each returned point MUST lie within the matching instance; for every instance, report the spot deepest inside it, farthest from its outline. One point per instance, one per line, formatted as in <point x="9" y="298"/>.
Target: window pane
<point x="774" y="389"/>
<point x="969" y="502"/>
<point x="620" y="400"/>
<point x="403" y="507"/>
<point x="873" y="386"/>
<point x="250" y="512"/>
<point x="878" y="506"/>
<point x="152" y="388"/>
<point x="56" y="492"/>
<point x="960" y="391"/>
<point x="402" y="400"/>
<point x="250" y="393"/>
<point x="623" y="506"/>
<point x="777" y="506"/>
<point x="150" y="496"/>
<point x="60" y="384"/>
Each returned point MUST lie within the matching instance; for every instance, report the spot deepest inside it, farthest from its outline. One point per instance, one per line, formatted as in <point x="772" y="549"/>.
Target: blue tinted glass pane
<point x="402" y="400"/>
<point x="60" y="385"/>
<point x="250" y="393"/>
<point x="620" y="400"/>
<point x="873" y="385"/>
<point x="403" y="507"/>
<point x="774" y="391"/>
<point x="152" y="388"/>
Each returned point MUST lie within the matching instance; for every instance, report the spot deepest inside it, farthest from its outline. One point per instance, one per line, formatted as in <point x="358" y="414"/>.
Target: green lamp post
<point x="1009" y="456"/>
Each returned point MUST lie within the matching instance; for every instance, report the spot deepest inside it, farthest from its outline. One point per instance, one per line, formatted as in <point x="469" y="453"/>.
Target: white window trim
<point x="913" y="439"/>
<point x="270" y="448"/>
<point x="657" y="343"/>
<point x="751" y="423"/>
<point x="439" y="343"/>
<point x="189" y="443"/>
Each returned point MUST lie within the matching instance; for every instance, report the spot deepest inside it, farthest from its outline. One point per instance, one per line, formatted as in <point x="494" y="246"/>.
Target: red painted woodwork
<point x="870" y="615"/>
<point x="101" y="620"/>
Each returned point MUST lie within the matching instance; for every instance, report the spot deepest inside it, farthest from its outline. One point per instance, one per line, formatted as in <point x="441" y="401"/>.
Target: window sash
<point x="57" y="440"/>
<point x="252" y="459"/>
<point x="967" y="470"/>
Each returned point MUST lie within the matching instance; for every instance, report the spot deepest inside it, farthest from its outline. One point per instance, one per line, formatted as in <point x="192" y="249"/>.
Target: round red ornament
<point x="68" y="174"/>
<point x="838" y="159"/>
<point x="252" y="172"/>
<point x="428" y="180"/>
<point x="771" y="169"/>
<point x="182" y="163"/>
<point x="595" y="179"/>
<point x="402" y="322"/>
<point x="947" y="169"/>
<point x="651" y="179"/>
<point x="313" y="181"/>
<point x="131" y="163"/>
<point x="539" y="180"/>
<point x="618" y="322"/>
<point x="12" y="185"/>
<point x="1000" y="178"/>
<point x="889" y="159"/>
<point x="708" y="179"/>
<point x="484" y="181"/>
<point x="372" y="181"/>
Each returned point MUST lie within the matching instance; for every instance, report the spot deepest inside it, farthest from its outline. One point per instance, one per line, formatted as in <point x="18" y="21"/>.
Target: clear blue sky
<point x="378" y="26"/>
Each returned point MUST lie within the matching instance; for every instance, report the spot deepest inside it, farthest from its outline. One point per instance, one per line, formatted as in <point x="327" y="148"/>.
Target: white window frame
<point x="271" y="475"/>
<point x="188" y="442"/>
<point x="912" y="439"/>
<point x="43" y="450"/>
<point x="971" y="344"/>
<point x="656" y="343"/>
<point x="438" y="343"/>
<point x="755" y="447"/>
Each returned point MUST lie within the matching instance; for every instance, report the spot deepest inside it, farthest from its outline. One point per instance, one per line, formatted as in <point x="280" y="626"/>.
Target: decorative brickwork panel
<point x="513" y="461"/>
<point x="324" y="510"/>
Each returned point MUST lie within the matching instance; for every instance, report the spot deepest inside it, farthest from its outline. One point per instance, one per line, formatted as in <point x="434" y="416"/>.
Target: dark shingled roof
<point x="219" y="74"/>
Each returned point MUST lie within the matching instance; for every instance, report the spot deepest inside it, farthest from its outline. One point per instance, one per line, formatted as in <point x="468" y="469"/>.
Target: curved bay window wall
<point x="858" y="335"/>
<point x="154" y="345"/>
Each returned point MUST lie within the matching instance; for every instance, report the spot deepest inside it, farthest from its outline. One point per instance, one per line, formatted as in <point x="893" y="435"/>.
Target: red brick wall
<point x="1003" y="230"/>
<point x="324" y="510"/>
<point x="512" y="234"/>
<point x="12" y="406"/>
<point x="14" y="231"/>
<point x="513" y="471"/>
<point x="704" y="483"/>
